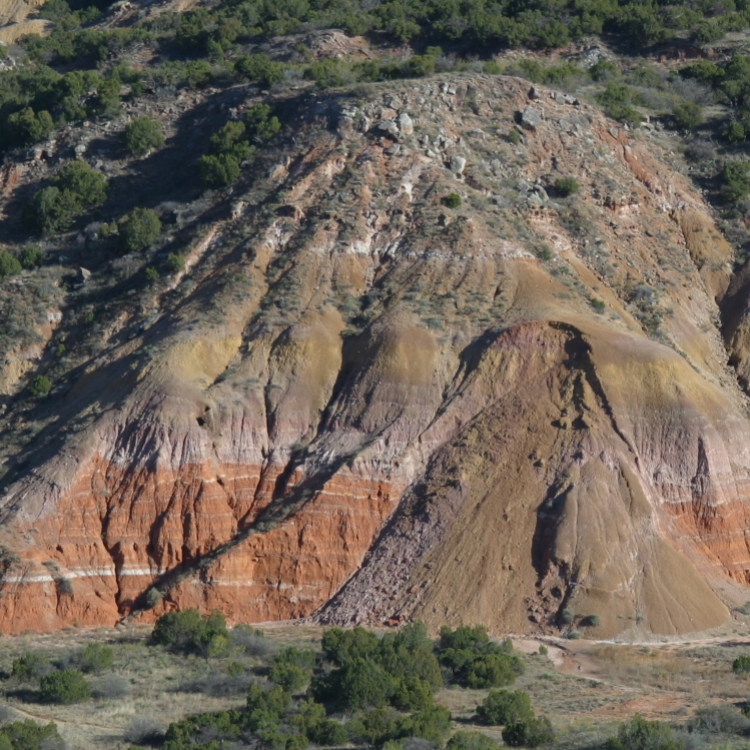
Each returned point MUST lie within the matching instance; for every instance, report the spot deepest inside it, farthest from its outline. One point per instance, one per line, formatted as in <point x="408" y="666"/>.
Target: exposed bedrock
<point x="370" y="407"/>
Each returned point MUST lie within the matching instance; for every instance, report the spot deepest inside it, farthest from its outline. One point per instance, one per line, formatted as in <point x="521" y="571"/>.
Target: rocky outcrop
<point x="372" y="406"/>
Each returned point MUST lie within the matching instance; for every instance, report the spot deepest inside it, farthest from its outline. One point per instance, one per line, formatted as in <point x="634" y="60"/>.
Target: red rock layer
<point x="117" y="532"/>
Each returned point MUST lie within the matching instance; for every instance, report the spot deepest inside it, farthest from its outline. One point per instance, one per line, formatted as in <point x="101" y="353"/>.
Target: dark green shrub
<point x="419" y="66"/>
<point x="260" y="69"/>
<point x="143" y="135"/>
<point x="503" y="707"/>
<point x="30" y="666"/>
<point x="88" y="185"/>
<point x="492" y="670"/>
<point x="736" y="181"/>
<point x="152" y="275"/>
<point x="604" y="70"/>
<point x="28" y="735"/>
<point x="260" y="122"/>
<point x="300" y="657"/>
<point x="230" y="140"/>
<point x="721" y="719"/>
<point x="96" y="658"/>
<point x="688" y="115"/>
<point x="599" y="306"/>
<point x="565" y="186"/>
<point x="639" y="734"/>
<point x="470" y="658"/>
<point x="741" y="665"/>
<point x="327" y="73"/>
<point x="26" y="127"/>
<point x="514" y="137"/>
<point x="139" y="230"/>
<point x="735" y="133"/>
<point x="187" y="631"/>
<point x="9" y="264"/>
<point x="529" y="733"/>
<point x="475" y="639"/>
<point x="31" y="257"/>
<point x="593" y="621"/>
<point x="412" y="694"/>
<point x="310" y="720"/>
<point x="359" y="684"/>
<point x="339" y="646"/>
<point x="452" y="200"/>
<point x="181" y="734"/>
<point x="616" y="100"/>
<point x="198" y="73"/>
<point x="329" y="733"/>
<point x="708" y="33"/>
<point x="218" y="171"/>
<point x="467" y="740"/>
<point x="266" y="707"/>
<point x="66" y="686"/>
<point x="41" y="386"/>
<point x="431" y="724"/>
<point x="52" y="211"/>
<point x="291" y="677"/>
<point x="175" y="263"/>
<point x="375" y="727"/>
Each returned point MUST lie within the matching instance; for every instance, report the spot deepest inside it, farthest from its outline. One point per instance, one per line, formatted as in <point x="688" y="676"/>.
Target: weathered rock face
<point x="371" y="406"/>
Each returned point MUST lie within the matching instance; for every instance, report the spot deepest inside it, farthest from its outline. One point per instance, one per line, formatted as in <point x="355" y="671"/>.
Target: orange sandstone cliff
<point x="368" y="406"/>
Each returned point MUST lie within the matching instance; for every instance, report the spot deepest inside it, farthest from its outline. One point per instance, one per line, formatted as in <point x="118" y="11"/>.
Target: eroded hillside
<point x="360" y="399"/>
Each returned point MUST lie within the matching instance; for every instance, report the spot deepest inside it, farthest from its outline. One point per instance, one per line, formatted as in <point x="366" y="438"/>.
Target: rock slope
<point x="368" y="406"/>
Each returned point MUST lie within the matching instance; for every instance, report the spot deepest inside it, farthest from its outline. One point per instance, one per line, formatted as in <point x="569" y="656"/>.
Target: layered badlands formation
<point x="370" y="407"/>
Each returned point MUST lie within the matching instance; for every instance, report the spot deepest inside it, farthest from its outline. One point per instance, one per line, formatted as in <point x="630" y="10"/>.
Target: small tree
<point x="188" y="631"/>
<point x="359" y="684"/>
<point x="218" y="171"/>
<point x="567" y="615"/>
<point x="735" y="133"/>
<point x="96" y="658"/>
<point x="41" y="386"/>
<point x="736" y="181"/>
<point x="259" y="68"/>
<point x="28" y="735"/>
<point x="291" y="677"/>
<point x="66" y="686"/>
<point x="31" y="257"/>
<point x="175" y="263"/>
<point x="565" y="186"/>
<point x="452" y="200"/>
<point x="139" y="230"/>
<point x="52" y="211"/>
<point x="30" y="666"/>
<point x="26" y="127"/>
<point x="502" y="707"/>
<point x="639" y="734"/>
<point x="471" y="741"/>
<point x="412" y="694"/>
<point x="9" y="264"/>
<point x="530" y="733"/>
<point x="88" y="185"/>
<point x="261" y="123"/>
<point x="741" y="665"/>
<point x="143" y="135"/>
<point x="688" y="115"/>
